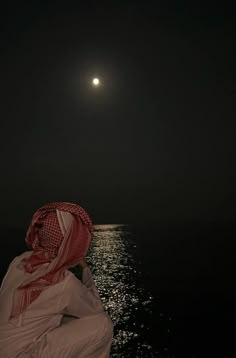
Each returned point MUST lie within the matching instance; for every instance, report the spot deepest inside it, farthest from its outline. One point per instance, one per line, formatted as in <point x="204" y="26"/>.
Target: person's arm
<point x="87" y="278"/>
<point x="82" y="298"/>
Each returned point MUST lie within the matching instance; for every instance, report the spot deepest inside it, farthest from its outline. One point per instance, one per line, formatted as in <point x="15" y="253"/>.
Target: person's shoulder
<point x="18" y="258"/>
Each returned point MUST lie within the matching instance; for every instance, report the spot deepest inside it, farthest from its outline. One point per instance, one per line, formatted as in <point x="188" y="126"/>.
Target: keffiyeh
<point x="59" y="236"/>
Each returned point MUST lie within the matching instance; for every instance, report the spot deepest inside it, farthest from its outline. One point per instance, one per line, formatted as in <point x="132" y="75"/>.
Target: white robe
<point x="41" y="331"/>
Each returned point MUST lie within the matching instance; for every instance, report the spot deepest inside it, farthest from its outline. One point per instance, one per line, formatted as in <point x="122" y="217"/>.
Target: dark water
<point x="169" y="290"/>
<point x="120" y="280"/>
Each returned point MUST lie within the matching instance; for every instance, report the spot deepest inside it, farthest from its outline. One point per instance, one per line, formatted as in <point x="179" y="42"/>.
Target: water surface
<point x="169" y="290"/>
<point x="121" y="283"/>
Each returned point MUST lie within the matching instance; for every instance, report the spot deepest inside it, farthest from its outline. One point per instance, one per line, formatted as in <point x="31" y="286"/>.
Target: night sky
<point x="154" y="143"/>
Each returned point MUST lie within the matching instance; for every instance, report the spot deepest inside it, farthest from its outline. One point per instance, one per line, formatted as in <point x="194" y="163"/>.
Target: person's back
<point x="41" y="329"/>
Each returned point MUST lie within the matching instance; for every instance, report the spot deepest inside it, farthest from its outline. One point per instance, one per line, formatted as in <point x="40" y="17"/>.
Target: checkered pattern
<point x="50" y="235"/>
<point x="45" y="238"/>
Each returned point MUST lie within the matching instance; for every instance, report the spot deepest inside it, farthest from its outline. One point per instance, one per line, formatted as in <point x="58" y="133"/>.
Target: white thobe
<point x="43" y="331"/>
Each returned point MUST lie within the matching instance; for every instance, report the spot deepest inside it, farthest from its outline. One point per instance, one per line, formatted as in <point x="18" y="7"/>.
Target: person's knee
<point x="110" y="326"/>
<point x="105" y="327"/>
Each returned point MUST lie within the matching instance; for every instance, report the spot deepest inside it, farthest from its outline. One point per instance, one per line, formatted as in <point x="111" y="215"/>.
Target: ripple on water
<point x="115" y="274"/>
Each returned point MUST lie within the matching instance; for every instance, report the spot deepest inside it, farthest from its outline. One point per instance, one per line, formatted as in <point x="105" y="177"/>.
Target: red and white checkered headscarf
<point x="60" y="235"/>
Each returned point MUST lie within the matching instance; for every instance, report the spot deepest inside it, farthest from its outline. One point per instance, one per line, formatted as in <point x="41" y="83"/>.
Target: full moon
<point x="96" y="82"/>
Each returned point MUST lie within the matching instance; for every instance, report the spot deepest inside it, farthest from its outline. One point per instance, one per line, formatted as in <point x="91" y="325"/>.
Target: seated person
<point x="45" y="311"/>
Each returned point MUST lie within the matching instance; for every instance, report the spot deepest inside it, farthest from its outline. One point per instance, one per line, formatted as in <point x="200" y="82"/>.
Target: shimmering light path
<point x="116" y="276"/>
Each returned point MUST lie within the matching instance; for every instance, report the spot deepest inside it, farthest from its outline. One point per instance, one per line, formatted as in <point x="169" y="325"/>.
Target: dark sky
<point x="154" y="143"/>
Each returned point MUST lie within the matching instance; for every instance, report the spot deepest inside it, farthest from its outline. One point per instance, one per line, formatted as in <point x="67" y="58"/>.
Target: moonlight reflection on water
<point x="115" y="274"/>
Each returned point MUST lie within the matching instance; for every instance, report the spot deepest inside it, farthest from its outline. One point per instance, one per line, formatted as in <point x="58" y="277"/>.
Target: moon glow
<point x="96" y="82"/>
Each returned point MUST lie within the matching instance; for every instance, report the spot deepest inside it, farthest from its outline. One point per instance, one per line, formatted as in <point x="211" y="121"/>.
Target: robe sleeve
<point x="82" y="297"/>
